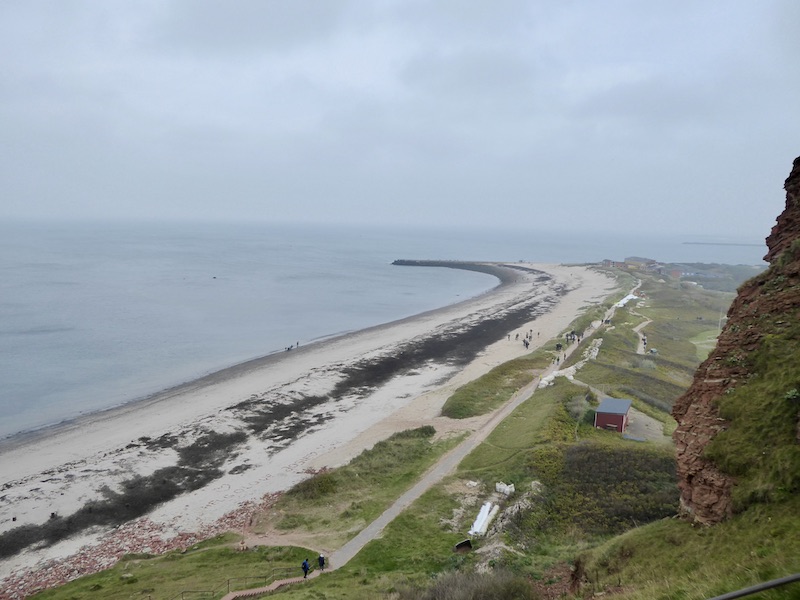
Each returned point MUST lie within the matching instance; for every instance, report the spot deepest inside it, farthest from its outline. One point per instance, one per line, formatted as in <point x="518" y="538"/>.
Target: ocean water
<point x="93" y="315"/>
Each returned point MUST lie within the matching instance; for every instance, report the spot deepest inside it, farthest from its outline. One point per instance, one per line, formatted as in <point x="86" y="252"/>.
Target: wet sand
<point x="199" y="458"/>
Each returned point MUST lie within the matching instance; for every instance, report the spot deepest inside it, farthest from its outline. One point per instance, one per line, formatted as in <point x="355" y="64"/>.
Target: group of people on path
<point x="526" y="341"/>
<point x="306" y="566"/>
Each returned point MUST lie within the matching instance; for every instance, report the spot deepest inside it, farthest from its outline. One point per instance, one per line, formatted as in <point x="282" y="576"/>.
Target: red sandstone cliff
<point x="705" y="489"/>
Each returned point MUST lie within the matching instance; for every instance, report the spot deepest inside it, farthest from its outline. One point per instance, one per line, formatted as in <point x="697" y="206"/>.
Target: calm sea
<point x="96" y="314"/>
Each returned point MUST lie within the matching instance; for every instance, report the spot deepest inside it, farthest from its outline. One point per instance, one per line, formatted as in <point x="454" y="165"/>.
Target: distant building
<point x="612" y="414"/>
<point x="639" y="263"/>
<point x="607" y="262"/>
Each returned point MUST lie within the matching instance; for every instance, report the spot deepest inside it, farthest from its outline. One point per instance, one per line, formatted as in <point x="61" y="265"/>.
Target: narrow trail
<point x="446" y="465"/>
<point x="434" y="475"/>
<point x="642" y="337"/>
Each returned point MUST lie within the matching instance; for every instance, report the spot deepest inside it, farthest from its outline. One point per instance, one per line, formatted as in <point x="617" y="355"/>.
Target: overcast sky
<point x="668" y="115"/>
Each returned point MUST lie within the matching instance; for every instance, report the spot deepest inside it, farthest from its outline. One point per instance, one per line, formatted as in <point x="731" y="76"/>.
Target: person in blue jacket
<point x="306" y="567"/>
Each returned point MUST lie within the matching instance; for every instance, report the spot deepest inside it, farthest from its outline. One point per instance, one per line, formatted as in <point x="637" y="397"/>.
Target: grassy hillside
<point x="671" y="559"/>
<point x="206" y="566"/>
<point x="760" y="446"/>
<point x="589" y="505"/>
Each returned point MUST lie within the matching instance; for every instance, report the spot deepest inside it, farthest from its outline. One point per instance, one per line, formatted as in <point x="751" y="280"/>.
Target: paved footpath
<point x="446" y="465"/>
<point x="436" y="473"/>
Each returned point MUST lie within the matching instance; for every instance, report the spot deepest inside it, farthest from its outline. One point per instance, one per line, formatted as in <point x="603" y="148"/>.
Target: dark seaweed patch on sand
<point x="458" y="348"/>
<point x="199" y="464"/>
<point x="280" y="421"/>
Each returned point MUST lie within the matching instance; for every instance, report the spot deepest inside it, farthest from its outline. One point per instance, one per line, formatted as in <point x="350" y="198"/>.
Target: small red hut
<point x="612" y="414"/>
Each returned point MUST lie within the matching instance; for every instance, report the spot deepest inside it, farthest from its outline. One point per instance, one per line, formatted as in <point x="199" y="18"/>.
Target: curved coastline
<point x="504" y="275"/>
<point x="329" y="402"/>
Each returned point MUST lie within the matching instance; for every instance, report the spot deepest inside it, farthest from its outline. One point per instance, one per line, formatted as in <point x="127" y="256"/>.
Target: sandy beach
<point x="198" y="459"/>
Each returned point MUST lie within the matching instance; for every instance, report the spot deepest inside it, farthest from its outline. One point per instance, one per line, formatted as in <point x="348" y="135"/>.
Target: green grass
<point x="505" y="454"/>
<point x="206" y="566"/>
<point x="419" y="543"/>
<point x="604" y="486"/>
<point x="678" y="315"/>
<point x="705" y="342"/>
<point x="672" y="559"/>
<point x="335" y="505"/>
<point x="413" y="548"/>
<point x="595" y="484"/>
<point x="759" y="446"/>
<point x="495" y="388"/>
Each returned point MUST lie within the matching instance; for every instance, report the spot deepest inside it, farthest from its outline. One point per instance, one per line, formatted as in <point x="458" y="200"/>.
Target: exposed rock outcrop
<point x="705" y="489"/>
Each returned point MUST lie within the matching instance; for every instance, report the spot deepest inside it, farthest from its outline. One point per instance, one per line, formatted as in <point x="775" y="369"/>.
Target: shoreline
<point x="31" y="436"/>
<point x="282" y="415"/>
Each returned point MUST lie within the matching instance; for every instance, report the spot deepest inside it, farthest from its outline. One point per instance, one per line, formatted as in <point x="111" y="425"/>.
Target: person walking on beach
<point x="321" y="561"/>
<point x="306" y="567"/>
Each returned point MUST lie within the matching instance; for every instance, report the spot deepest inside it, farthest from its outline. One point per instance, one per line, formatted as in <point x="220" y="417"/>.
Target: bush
<point x="496" y="585"/>
<point x="316" y="487"/>
<point x="599" y="489"/>
<point x="426" y="431"/>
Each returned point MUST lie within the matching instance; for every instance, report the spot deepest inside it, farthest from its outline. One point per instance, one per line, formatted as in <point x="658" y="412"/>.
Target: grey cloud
<point x="471" y="74"/>
<point x="209" y="27"/>
<point x="618" y="115"/>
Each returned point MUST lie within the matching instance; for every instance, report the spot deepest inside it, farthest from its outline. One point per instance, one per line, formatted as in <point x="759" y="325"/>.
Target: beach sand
<point x="255" y="430"/>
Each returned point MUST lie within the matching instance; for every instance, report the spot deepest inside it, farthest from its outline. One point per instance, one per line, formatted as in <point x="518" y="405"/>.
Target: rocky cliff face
<point x="705" y="489"/>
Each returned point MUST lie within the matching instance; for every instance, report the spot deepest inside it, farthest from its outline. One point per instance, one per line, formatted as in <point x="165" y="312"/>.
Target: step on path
<point x="254" y="592"/>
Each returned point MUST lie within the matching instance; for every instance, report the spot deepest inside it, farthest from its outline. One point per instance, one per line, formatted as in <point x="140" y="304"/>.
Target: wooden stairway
<point x="254" y="592"/>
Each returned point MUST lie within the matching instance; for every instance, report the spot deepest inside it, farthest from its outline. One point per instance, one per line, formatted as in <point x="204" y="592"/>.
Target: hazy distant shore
<point x="205" y="448"/>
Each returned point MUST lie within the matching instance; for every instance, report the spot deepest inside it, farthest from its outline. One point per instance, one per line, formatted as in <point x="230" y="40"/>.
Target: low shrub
<point x="316" y="487"/>
<point x="598" y="489"/>
<point x="495" y="585"/>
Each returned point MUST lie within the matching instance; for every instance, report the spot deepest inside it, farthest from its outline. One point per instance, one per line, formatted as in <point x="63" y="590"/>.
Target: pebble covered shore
<point x="138" y="536"/>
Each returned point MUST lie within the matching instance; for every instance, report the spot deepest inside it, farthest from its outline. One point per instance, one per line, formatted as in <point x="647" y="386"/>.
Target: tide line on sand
<point x="259" y="428"/>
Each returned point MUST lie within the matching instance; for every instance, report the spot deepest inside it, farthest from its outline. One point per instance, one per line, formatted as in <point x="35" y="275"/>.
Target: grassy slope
<point x="335" y="505"/>
<point x="331" y="506"/>
<point x="767" y="467"/>
<point x="672" y="559"/>
<point x="538" y="442"/>
<point x="495" y="388"/>
<point x="679" y="314"/>
<point x="205" y="566"/>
